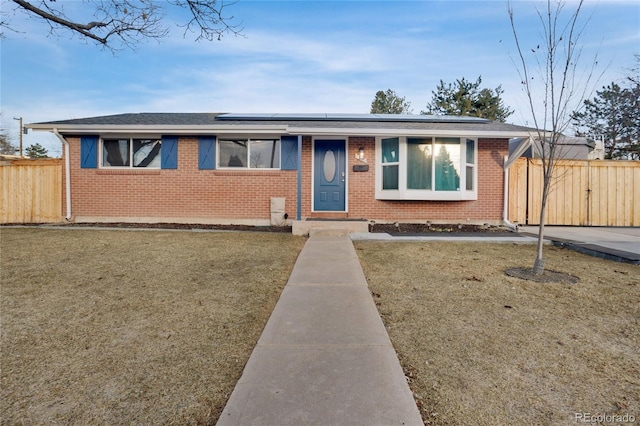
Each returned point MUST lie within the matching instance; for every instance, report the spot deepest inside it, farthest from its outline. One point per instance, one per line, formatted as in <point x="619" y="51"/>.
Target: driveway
<point x="616" y="243"/>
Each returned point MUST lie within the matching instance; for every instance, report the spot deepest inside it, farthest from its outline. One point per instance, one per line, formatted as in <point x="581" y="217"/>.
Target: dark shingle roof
<point x="144" y="118"/>
<point x="293" y="121"/>
<point x="341" y="117"/>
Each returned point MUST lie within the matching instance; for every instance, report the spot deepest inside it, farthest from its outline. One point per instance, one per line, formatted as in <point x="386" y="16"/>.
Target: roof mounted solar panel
<point x="350" y="117"/>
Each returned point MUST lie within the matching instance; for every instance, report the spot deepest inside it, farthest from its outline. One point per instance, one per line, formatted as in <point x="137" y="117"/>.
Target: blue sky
<point x="295" y="56"/>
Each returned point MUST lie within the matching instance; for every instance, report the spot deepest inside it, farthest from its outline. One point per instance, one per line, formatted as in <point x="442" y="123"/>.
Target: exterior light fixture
<point x="360" y="155"/>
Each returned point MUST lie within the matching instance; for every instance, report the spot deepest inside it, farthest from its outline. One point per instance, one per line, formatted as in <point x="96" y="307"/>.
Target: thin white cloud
<point x="336" y="63"/>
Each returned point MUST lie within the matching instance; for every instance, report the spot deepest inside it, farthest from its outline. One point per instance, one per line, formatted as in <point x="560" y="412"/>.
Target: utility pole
<point x="21" y="129"/>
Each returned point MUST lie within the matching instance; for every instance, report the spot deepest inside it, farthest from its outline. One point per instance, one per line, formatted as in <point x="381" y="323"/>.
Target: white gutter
<point x="505" y="207"/>
<point x="508" y="162"/>
<point x="517" y="153"/>
<point x="355" y="131"/>
<point x="67" y="172"/>
<point x="280" y="129"/>
<point x="83" y="129"/>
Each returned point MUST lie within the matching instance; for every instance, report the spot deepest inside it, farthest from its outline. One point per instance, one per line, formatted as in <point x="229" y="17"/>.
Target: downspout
<point x="524" y="144"/>
<point x="67" y="173"/>
<point x="505" y="208"/>
<point x="299" y="204"/>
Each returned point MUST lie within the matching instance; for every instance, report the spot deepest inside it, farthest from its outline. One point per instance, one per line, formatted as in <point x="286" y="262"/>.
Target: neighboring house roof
<point x="569" y="148"/>
<point x="313" y="123"/>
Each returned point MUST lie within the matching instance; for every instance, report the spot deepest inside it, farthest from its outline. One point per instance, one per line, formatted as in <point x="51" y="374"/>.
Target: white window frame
<point x="248" y="159"/>
<point x="101" y="158"/>
<point x="403" y="193"/>
<point x="389" y="164"/>
<point x="473" y="164"/>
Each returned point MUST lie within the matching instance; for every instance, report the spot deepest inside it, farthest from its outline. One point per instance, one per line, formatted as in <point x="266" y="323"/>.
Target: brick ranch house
<point x="275" y="169"/>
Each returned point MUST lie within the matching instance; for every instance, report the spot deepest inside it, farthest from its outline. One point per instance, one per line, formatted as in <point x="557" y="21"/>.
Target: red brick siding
<point x="488" y="206"/>
<point x="188" y="192"/>
<point x="185" y="192"/>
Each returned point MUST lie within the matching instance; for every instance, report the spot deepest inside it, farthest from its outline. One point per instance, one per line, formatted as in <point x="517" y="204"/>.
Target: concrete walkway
<point x="324" y="357"/>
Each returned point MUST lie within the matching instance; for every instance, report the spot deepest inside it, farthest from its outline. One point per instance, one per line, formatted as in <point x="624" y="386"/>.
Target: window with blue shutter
<point x="169" y="152"/>
<point x="207" y="152"/>
<point x="289" y="152"/>
<point x="89" y="152"/>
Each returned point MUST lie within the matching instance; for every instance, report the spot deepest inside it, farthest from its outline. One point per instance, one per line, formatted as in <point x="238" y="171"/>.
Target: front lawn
<point x="132" y="327"/>
<point x="480" y="347"/>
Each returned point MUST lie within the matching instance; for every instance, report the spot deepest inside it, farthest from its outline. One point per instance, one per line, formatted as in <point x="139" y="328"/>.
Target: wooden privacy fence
<point x="583" y="193"/>
<point x="31" y="190"/>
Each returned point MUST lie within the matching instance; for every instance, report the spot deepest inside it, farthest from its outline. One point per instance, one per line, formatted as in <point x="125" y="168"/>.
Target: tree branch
<point x="83" y="29"/>
<point x="128" y="22"/>
<point x="553" y="88"/>
<point x="208" y="17"/>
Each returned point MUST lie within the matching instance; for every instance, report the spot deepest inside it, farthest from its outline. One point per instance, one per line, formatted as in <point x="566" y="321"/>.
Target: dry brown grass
<point x="127" y="327"/>
<point x="483" y="348"/>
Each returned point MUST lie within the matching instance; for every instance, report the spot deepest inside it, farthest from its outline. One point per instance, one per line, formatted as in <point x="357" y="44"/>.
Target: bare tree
<point x="634" y="71"/>
<point x="125" y="23"/>
<point x="554" y="85"/>
<point x="6" y="147"/>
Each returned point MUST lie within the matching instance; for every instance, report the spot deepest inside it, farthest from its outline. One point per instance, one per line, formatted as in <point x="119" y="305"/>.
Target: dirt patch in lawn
<point x="481" y="347"/>
<point x="126" y="327"/>
<point x="431" y="228"/>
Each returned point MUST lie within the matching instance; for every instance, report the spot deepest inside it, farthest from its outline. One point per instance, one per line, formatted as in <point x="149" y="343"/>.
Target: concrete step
<point x="337" y="232"/>
<point x="329" y="228"/>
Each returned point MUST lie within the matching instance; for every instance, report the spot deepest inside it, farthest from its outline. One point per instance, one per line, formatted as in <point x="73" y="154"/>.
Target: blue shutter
<point x="169" y="152"/>
<point x="207" y="152"/>
<point x="289" y="153"/>
<point x="89" y="152"/>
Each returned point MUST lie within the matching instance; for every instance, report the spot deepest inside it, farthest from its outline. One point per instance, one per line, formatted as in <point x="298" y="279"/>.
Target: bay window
<point x="426" y="168"/>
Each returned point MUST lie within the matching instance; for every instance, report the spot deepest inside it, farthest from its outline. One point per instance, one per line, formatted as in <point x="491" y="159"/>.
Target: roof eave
<point x="80" y="129"/>
<point x="83" y="129"/>
<point x="319" y="131"/>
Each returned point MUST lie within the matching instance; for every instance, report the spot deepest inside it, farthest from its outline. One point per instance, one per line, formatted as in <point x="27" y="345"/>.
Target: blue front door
<point x="329" y="175"/>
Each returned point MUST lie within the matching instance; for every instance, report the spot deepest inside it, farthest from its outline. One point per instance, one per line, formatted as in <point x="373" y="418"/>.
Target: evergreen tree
<point x="466" y="98"/>
<point x="613" y="115"/>
<point x="36" y="151"/>
<point x="388" y="102"/>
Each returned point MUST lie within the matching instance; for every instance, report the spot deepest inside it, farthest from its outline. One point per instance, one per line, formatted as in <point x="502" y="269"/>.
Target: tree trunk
<point x="538" y="264"/>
